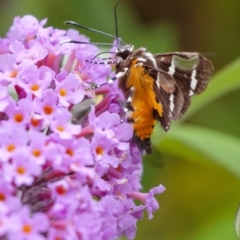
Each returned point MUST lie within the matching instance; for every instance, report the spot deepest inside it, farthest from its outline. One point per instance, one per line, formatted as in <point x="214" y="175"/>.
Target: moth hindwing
<point x="158" y="87"/>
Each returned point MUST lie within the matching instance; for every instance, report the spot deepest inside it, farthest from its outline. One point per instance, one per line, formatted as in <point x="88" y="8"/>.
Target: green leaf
<point x="223" y="82"/>
<point x="192" y="142"/>
<point x="218" y="227"/>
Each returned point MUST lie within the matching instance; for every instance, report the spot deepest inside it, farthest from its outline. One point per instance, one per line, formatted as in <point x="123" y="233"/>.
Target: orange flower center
<point x="35" y="122"/>
<point x="99" y="150"/>
<point x="18" y="117"/>
<point x="48" y="110"/>
<point x="11" y="147"/>
<point x="62" y="92"/>
<point x="60" y="128"/>
<point x="69" y="151"/>
<point x="60" y="190"/>
<point x="21" y="170"/>
<point x="13" y="74"/>
<point x="27" y="228"/>
<point x="36" y="152"/>
<point x="34" y="87"/>
<point x="58" y="238"/>
<point x="2" y="197"/>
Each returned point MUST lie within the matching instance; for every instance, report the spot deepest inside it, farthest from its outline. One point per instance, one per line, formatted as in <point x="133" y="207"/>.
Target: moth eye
<point x="125" y="54"/>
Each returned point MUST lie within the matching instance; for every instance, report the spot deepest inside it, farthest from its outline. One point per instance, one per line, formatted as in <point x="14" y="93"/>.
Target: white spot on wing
<point x="141" y="59"/>
<point x="158" y="82"/>
<point x="194" y="80"/>
<point x="191" y="92"/>
<point x="138" y="64"/>
<point x="151" y="58"/>
<point x="193" y="83"/>
<point x="171" y="69"/>
<point x="171" y="102"/>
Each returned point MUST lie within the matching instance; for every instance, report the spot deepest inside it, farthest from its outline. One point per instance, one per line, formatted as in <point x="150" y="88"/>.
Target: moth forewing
<point x="181" y="75"/>
<point x="186" y="64"/>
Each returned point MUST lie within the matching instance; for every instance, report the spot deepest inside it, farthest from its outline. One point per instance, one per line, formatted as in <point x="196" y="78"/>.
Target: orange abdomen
<point x="144" y="104"/>
<point x="143" y="119"/>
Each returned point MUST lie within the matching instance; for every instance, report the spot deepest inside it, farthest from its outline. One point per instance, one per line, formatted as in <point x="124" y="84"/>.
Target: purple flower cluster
<point x="61" y="179"/>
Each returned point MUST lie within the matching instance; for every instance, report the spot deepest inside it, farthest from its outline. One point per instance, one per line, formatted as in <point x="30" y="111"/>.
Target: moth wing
<point x="182" y="74"/>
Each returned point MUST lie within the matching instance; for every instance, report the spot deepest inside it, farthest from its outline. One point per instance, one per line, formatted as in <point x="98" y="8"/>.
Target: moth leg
<point x="110" y="80"/>
<point x="103" y="62"/>
<point x="128" y="105"/>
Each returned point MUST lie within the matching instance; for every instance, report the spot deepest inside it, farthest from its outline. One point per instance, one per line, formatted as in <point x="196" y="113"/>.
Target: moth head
<point x="124" y="51"/>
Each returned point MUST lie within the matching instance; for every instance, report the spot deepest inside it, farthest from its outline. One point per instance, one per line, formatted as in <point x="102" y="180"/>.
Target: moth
<point x="157" y="87"/>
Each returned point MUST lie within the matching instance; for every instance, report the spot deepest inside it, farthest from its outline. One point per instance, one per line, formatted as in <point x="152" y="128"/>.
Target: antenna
<point x="102" y="53"/>
<point x="116" y="23"/>
<point x="79" y="42"/>
<point x="93" y="30"/>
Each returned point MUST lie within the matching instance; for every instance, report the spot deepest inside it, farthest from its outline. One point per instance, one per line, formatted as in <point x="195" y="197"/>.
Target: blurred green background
<point x="198" y="160"/>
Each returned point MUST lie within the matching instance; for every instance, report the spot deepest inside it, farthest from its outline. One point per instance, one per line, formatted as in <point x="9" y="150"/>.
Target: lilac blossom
<point x="64" y="177"/>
